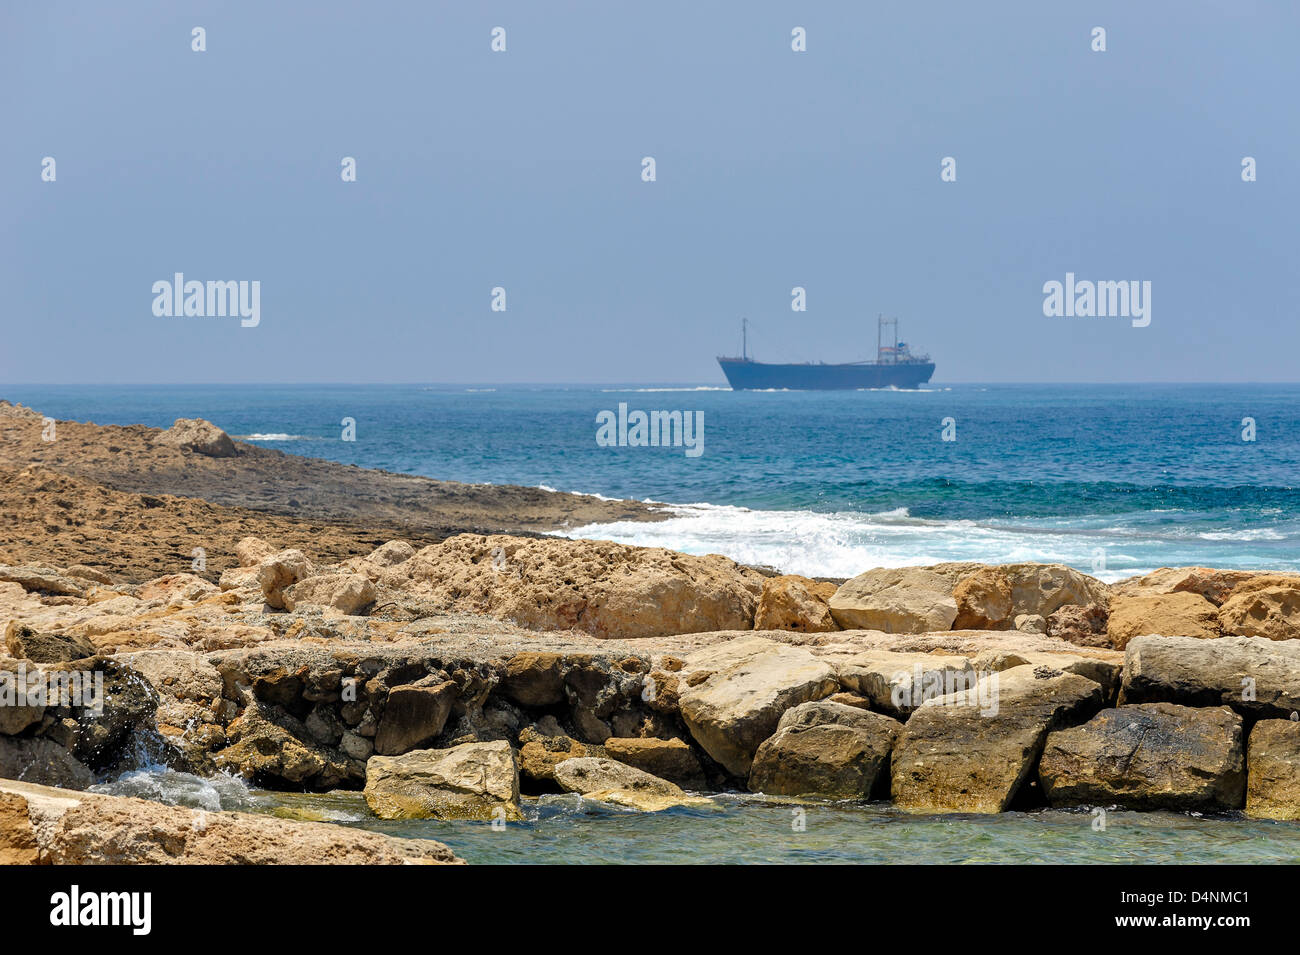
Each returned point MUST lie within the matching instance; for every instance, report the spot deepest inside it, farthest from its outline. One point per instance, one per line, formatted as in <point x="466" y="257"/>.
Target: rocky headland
<point x="457" y="676"/>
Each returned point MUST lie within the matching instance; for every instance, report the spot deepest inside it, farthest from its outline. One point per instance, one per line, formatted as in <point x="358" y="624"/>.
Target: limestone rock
<point x="25" y="643"/>
<point x="972" y="752"/>
<point x="44" y="580"/>
<point x="825" y="749"/>
<point x="42" y="762"/>
<point x="534" y="679"/>
<point x="896" y="600"/>
<point x="670" y="759"/>
<point x="201" y="437"/>
<point x="1148" y="756"/>
<point x="267" y="744"/>
<point x="610" y="781"/>
<point x="795" y="603"/>
<point x="391" y="554"/>
<point x="282" y="570"/>
<point x="470" y="781"/>
<point x="992" y="597"/>
<point x="1031" y="623"/>
<point x="236" y="578"/>
<point x="346" y="593"/>
<point x="1273" y="770"/>
<point x="539" y="753"/>
<point x="1080" y="625"/>
<point x="1257" y="677"/>
<point x="742" y="688"/>
<point x="897" y="683"/>
<point x="1213" y="585"/>
<point x="1179" y="614"/>
<point x="251" y="551"/>
<point x="413" y="716"/>
<point x="1267" y="607"/>
<point x="602" y="588"/>
<point x="95" y="829"/>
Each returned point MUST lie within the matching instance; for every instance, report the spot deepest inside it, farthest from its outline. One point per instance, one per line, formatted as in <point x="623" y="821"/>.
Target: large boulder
<point x="897" y="683"/>
<point x="540" y="752"/>
<point x="469" y="781"/>
<point x="1214" y="585"/>
<point x="821" y="748"/>
<point x="1180" y="614"/>
<point x="534" y="679"/>
<point x="1148" y="756"/>
<point x="670" y="759"/>
<point x="413" y="717"/>
<point x="1257" y="677"/>
<point x="27" y="643"/>
<point x="972" y="751"/>
<point x="991" y="598"/>
<point x="791" y="602"/>
<point x="736" y="692"/>
<point x="346" y="593"/>
<point x="1082" y="626"/>
<point x="280" y="571"/>
<point x="607" y="780"/>
<point x="251" y="551"/>
<point x="898" y="599"/>
<point x="602" y="588"/>
<point x="56" y="827"/>
<point x="1273" y="770"/>
<point x="199" y="436"/>
<point x="45" y="580"/>
<point x="272" y="747"/>
<point x="1266" y="606"/>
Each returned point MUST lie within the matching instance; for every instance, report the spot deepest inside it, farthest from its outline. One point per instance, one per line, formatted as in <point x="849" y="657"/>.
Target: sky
<point x="523" y="170"/>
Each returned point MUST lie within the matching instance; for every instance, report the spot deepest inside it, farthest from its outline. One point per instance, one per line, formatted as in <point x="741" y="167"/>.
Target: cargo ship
<point x="895" y="367"/>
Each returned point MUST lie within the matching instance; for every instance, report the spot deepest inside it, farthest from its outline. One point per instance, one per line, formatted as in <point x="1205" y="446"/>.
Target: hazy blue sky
<point x="523" y="170"/>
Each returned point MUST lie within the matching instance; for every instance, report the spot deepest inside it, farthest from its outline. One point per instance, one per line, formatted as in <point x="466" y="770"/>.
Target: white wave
<point x="616" y="391"/>
<point x="845" y="543"/>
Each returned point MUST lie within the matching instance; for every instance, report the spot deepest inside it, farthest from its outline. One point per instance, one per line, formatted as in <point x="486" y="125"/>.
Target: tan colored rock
<point x="470" y="781"/>
<point x="268" y="744"/>
<point x="741" y="689"/>
<point x="95" y="829"/>
<point x="282" y="570"/>
<point x="1031" y="623"/>
<point x="1263" y="608"/>
<point x="391" y="554"/>
<point x="44" y="580"/>
<point x="347" y="593"/>
<point x="602" y="588"/>
<point x="25" y="643"/>
<point x="795" y="603"/>
<point x="540" y="753"/>
<point x="185" y="587"/>
<point x="670" y="759"/>
<point x="236" y="578"/>
<point x="82" y="572"/>
<point x="534" y="679"/>
<point x="1080" y="625"/>
<point x="972" y="752"/>
<point x="1213" y="585"/>
<point x="201" y="437"/>
<point x="413" y="717"/>
<point x="897" y="683"/>
<point x="1179" y="614"/>
<point x="1273" y="770"/>
<point x="251" y="551"/>
<point x="825" y="749"/>
<point x="1149" y="756"/>
<point x="1257" y="677"/>
<point x="992" y="597"/>
<point x="899" y="599"/>
<point x="1107" y="673"/>
<point x="608" y="780"/>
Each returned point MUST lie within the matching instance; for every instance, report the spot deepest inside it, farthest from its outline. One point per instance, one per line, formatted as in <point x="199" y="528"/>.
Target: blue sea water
<point x="1112" y="479"/>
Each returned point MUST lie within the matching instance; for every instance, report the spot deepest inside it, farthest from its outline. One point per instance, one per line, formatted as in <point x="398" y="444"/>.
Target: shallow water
<point x="747" y="829"/>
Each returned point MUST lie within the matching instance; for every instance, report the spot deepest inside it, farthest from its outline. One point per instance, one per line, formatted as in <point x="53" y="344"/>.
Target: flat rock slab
<point x="971" y="752"/>
<point x="825" y="749"/>
<point x="40" y="824"/>
<point x="1273" y="770"/>
<point x="608" y="780"/>
<point x="740" y="691"/>
<point x="470" y="781"/>
<point x="1256" y="676"/>
<point x="1148" y="756"/>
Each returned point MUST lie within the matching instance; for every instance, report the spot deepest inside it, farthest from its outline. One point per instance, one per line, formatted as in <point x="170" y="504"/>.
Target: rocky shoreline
<point x="458" y="678"/>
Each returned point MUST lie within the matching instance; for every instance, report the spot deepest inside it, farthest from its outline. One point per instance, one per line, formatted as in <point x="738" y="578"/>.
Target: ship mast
<point x="744" y="339"/>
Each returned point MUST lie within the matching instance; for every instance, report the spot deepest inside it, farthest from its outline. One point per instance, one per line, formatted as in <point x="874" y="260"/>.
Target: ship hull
<point x="755" y="376"/>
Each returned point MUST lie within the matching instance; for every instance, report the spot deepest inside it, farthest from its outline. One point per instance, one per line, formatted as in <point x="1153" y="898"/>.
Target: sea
<point x="1115" y="480"/>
